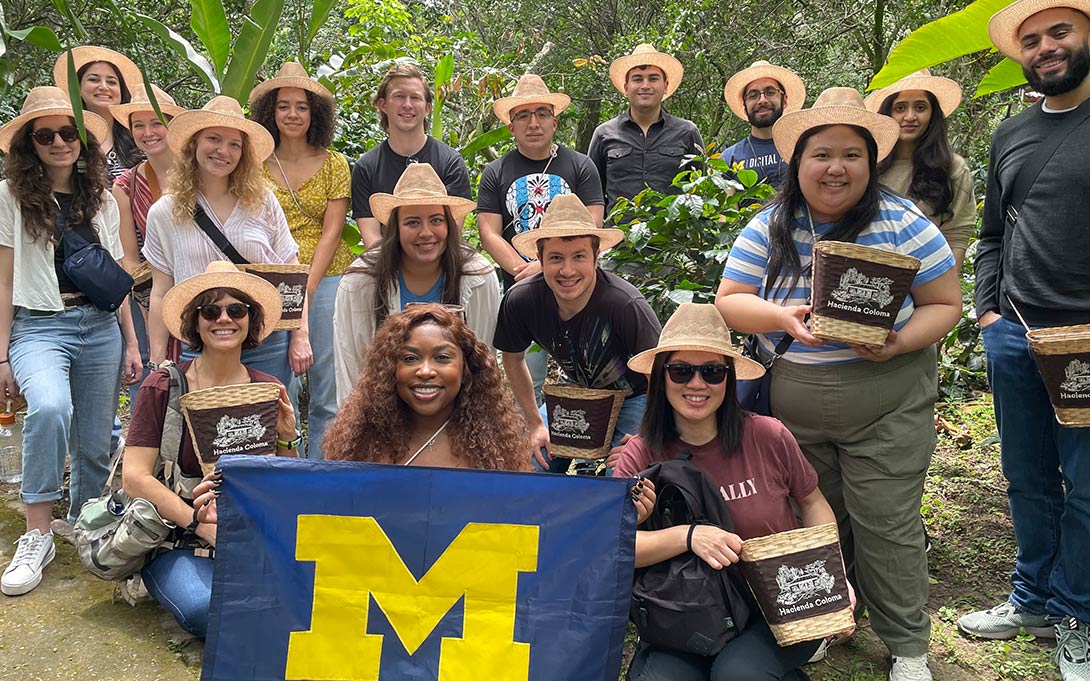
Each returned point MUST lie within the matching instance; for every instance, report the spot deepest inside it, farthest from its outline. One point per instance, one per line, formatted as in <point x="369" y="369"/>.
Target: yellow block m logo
<point x="354" y="559"/>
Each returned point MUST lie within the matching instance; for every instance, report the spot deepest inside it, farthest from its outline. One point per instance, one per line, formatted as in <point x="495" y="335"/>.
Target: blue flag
<point x="346" y="571"/>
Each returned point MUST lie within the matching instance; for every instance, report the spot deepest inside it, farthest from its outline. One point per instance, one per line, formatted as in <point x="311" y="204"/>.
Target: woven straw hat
<point x="529" y="90"/>
<point x="221" y="274"/>
<point x="735" y="88"/>
<point x="646" y="55"/>
<point x="1004" y="24"/>
<point x="88" y="54"/>
<point x="140" y="102"/>
<point x="566" y="216"/>
<point x="946" y="91"/>
<point x="835" y="106"/>
<point x="48" y="101"/>
<point x="291" y="74"/>
<point x="700" y="327"/>
<point x="419" y="185"/>
<point x="220" y="112"/>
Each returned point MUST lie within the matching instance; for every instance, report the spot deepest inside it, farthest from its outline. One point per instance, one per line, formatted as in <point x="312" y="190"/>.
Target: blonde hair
<point x="246" y="181"/>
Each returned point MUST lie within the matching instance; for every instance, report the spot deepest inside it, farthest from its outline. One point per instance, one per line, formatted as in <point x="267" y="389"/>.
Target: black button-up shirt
<point x="628" y="160"/>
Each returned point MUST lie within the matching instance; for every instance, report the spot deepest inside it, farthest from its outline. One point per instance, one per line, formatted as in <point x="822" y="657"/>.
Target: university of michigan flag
<point x="346" y="571"/>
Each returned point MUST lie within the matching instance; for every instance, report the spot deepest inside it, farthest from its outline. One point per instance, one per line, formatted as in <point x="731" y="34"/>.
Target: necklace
<point x="429" y="443"/>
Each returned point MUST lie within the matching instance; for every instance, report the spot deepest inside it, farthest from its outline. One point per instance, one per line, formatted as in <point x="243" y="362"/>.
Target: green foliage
<point x="209" y="22"/>
<point x="251" y="47"/>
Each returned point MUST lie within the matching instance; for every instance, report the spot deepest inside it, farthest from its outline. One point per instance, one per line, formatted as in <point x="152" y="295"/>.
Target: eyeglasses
<point x="44" y="136"/>
<point x="713" y="373"/>
<point x="211" y="312"/>
<point x="543" y="115"/>
<point x="768" y="92"/>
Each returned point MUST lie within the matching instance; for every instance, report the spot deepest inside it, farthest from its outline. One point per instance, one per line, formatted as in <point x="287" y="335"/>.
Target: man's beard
<point x="775" y="114"/>
<point x="1078" y="67"/>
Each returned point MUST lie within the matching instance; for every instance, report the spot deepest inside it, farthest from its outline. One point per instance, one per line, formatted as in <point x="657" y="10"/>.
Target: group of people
<point x="400" y="345"/>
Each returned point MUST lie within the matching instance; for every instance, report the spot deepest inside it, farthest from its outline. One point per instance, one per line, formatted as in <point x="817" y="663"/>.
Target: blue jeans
<point x="142" y="342"/>
<point x="323" y="387"/>
<point x="1041" y="459"/>
<point x="628" y="423"/>
<point x="182" y="583"/>
<point x="538" y="364"/>
<point x="66" y="364"/>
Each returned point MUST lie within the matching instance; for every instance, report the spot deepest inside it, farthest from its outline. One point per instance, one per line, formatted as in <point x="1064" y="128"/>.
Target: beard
<point x="765" y="118"/>
<point x="1078" y="67"/>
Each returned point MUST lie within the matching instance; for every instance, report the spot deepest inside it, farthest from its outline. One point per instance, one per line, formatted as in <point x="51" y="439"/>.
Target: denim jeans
<point x="628" y="423"/>
<point x="1041" y="459"/>
<point x="182" y="583"/>
<point x="538" y="364"/>
<point x="141" y="330"/>
<point x="66" y="364"/>
<point x="323" y="387"/>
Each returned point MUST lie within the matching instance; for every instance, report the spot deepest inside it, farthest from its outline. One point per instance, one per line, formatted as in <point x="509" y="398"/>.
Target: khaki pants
<point x="868" y="429"/>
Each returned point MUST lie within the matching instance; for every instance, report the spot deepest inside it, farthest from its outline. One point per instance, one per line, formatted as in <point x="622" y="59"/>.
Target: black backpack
<point x="684" y="604"/>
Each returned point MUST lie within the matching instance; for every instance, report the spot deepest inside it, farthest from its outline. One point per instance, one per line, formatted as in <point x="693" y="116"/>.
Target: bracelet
<point x="192" y="527"/>
<point x="3" y="361"/>
<point x="689" y="538"/>
<point x="289" y="444"/>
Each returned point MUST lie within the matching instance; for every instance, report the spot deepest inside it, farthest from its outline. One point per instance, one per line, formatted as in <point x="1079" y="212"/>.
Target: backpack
<point x="684" y="604"/>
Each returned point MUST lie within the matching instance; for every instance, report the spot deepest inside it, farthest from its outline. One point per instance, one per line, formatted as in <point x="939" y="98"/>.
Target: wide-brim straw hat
<point x="1004" y="24"/>
<point x="698" y="327"/>
<point x="122" y="113"/>
<point x="735" y="89"/>
<point x="529" y="90"/>
<point x="88" y="54"/>
<point x="291" y="74"/>
<point x="221" y="274"/>
<point x="566" y="216"/>
<point x="220" y="112"/>
<point x="48" y="101"/>
<point x="835" y="106"/>
<point x="646" y="55"/>
<point x="419" y="185"/>
<point x="946" y="91"/>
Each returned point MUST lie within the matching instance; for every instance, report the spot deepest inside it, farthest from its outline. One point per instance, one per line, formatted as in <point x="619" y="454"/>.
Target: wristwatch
<point x="289" y="444"/>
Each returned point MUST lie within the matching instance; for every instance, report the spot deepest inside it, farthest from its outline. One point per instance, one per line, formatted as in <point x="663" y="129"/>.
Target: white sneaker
<point x="910" y="669"/>
<point x="25" y="570"/>
<point x="1073" y="650"/>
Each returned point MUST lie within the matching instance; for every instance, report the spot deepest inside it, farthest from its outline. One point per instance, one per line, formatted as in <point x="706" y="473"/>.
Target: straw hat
<point x="835" y="106"/>
<point x="565" y="216"/>
<point x="87" y="54"/>
<point x="735" y="88"/>
<point x="700" y="327"/>
<point x="1004" y="24"/>
<point x="529" y="90"/>
<point x="419" y="185"/>
<point x="946" y="91"/>
<point x="646" y="55"/>
<point x="140" y="102"/>
<point x="291" y="74"/>
<point x="219" y="112"/>
<point x="48" y="101"/>
<point x="221" y="274"/>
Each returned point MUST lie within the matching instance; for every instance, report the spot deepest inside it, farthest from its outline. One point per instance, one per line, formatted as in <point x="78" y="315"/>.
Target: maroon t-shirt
<point x="149" y="413"/>
<point x="756" y="482"/>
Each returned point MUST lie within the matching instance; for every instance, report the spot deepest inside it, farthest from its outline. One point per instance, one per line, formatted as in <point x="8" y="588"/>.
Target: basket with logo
<point x="1062" y="354"/>
<point x="799" y="581"/>
<point x="581" y="420"/>
<point x="858" y="291"/>
<point x="232" y="419"/>
<point x="291" y="282"/>
<point x="141" y="285"/>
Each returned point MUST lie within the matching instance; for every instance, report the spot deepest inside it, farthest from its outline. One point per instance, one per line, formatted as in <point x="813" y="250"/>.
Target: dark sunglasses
<point x="44" y="136"/>
<point x="713" y="373"/>
<point x="212" y="311"/>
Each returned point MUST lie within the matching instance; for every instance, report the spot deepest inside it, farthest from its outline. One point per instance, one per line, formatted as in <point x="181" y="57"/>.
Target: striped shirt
<point x="899" y="226"/>
<point x="136" y="187"/>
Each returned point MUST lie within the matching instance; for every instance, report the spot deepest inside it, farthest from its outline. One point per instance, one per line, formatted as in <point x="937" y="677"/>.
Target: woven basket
<point x="583" y="427"/>
<point x="141" y="285"/>
<point x="232" y="419"/>
<point x="291" y="282"/>
<point x="858" y="291"/>
<point x="1062" y="354"/>
<point x="798" y="572"/>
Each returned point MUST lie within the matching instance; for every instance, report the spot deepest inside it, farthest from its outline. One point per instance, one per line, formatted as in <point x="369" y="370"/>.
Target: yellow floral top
<point x="332" y="181"/>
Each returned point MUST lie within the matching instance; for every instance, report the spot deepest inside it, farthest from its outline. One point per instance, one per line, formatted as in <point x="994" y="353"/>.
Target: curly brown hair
<point x="486" y="430"/>
<point x="323" y="118"/>
<point x="247" y="180"/>
<point x="213" y="295"/>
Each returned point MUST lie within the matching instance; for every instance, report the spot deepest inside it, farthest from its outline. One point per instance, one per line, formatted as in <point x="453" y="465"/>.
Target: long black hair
<point x="128" y="154"/>
<point x="931" y="160"/>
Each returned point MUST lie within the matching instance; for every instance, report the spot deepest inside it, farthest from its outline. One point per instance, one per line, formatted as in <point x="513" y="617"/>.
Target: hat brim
<point x="308" y="84"/>
<point x="526" y="242"/>
<point x="382" y="205"/>
<point x="1004" y="24"/>
<point x="122" y="113"/>
<point x="188" y="123"/>
<point x="263" y="293"/>
<point x="736" y="85"/>
<point x="745" y="369"/>
<point x="94" y="123"/>
<point x="946" y="91"/>
<point x="787" y="131"/>
<point x="502" y="107"/>
<point x="670" y="65"/>
<point x="87" y="54"/>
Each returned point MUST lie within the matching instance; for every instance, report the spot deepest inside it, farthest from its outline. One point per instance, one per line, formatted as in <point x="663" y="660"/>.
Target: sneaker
<point x="1004" y="621"/>
<point x="820" y="653"/>
<point x="1073" y="650"/>
<point x="25" y="570"/>
<point x="910" y="669"/>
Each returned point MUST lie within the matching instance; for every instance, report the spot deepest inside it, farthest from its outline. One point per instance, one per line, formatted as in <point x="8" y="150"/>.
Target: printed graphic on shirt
<point x="593" y="364"/>
<point x="739" y="490"/>
<point x="529" y="196"/>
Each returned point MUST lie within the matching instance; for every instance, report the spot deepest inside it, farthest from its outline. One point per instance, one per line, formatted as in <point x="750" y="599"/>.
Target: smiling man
<point x="1032" y="263"/>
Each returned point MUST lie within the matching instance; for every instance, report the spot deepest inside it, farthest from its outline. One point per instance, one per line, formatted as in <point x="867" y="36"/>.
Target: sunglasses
<point x="713" y="373"/>
<point x="44" y="136"/>
<point x="211" y="312"/>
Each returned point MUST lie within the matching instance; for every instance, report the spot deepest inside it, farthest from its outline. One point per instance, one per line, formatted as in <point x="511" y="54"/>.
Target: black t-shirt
<point x="84" y="229"/>
<point x="519" y="189"/>
<point x="379" y="169"/>
<point x="593" y="347"/>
